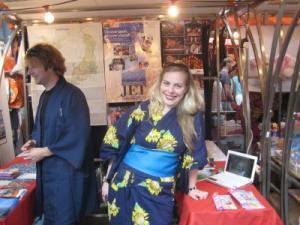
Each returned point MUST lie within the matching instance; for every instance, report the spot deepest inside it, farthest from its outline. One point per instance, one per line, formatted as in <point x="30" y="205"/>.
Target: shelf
<point x="223" y="111"/>
<point x="294" y="173"/>
<point x="295" y="193"/>
<point x="277" y="168"/>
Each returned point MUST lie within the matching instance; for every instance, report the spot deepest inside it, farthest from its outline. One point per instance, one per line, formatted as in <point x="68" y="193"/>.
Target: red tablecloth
<point x="203" y="212"/>
<point x="23" y="213"/>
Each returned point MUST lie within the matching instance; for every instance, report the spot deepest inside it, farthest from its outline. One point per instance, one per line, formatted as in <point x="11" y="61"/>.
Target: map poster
<point x="132" y="59"/>
<point x="2" y="129"/>
<point x="82" y="47"/>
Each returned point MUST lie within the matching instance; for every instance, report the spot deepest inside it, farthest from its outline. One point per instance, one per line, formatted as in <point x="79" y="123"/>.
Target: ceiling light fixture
<point x="173" y="10"/>
<point x="48" y="17"/>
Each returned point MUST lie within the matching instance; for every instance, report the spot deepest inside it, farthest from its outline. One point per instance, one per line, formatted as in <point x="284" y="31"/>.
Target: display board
<point x="181" y="41"/>
<point x="132" y="59"/>
<point x="82" y="47"/>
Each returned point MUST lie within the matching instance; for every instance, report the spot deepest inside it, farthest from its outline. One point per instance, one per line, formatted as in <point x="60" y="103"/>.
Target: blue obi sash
<point x="154" y="162"/>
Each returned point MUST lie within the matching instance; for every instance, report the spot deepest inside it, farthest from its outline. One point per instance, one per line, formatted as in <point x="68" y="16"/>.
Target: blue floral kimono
<point x="138" y="197"/>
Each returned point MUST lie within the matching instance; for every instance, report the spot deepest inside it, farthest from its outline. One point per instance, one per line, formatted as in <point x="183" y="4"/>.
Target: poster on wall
<point x="82" y="47"/>
<point x="181" y="41"/>
<point x="2" y="129"/>
<point x="132" y="59"/>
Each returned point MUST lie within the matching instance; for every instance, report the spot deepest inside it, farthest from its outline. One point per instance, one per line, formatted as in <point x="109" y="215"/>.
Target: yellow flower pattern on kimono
<point x="153" y="136"/>
<point x="153" y="186"/>
<point x="167" y="142"/>
<point x="113" y="210"/>
<point x="111" y="137"/>
<point x="123" y="183"/>
<point x="188" y="161"/>
<point x="138" y="114"/>
<point x="156" y="117"/>
<point x="140" y="216"/>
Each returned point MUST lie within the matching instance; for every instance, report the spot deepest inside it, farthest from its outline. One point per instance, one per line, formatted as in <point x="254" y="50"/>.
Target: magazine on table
<point x="6" y="204"/>
<point x="246" y="199"/>
<point x="12" y="193"/>
<point x="223" y="202"/>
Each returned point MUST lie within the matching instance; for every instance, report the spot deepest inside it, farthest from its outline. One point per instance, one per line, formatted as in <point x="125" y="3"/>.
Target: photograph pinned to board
<point x="132" y="59"/>
<point x="181" y="42"/>
<point x="115" y="112"/>
<point x="2" y="129"/>
<point x="193" y="37"/>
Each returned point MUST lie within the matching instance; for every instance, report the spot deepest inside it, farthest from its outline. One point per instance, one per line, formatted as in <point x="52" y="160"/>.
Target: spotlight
<point x="173" y="11"/>
<point x="48" y="17"/>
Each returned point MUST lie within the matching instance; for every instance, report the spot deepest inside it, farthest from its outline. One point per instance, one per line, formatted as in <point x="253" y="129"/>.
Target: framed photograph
<point x="172" y="28"/>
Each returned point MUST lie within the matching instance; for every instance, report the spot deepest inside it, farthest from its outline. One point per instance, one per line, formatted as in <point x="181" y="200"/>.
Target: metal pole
<point x="268" y="99"/>
<point x="290" y="121"/>
<point x="218" y="79"/>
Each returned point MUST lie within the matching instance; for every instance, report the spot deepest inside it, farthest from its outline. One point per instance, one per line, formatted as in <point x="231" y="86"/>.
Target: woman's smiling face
<point x="173" y="88"/>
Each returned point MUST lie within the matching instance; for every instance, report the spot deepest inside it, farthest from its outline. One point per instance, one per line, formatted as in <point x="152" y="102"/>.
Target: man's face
<point x="37" y="71"/>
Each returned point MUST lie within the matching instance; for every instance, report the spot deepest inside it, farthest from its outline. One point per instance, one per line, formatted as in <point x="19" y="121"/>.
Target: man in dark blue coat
<point x="60" y="144"/>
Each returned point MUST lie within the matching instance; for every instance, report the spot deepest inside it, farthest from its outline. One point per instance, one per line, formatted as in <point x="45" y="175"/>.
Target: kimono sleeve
<point x="120" y="133"/>
<point x="197" y="158"/>
<point x="73" y="141"/>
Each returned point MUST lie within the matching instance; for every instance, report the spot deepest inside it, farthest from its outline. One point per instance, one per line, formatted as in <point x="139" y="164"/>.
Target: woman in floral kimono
<point x="152" y="145"/>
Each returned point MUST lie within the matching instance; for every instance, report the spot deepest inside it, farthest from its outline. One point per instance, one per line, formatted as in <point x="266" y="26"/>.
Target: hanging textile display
<point x="82" y="48"/>
<point x="132" y="59"/>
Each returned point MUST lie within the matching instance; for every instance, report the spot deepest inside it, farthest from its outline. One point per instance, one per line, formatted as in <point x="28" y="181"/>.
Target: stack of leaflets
<point x="6" y="204"/>
<point x="223" y="202"/>
<point x="24" y="167"/>
<point x="27" y="171"/>
<point x="9" y="174"/>
<point x="12" y="193"/>
<point x="246" y="199"/>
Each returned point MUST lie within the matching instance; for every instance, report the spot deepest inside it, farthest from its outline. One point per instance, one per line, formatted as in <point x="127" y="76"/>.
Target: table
<point x="203" y="212"/>
<point x="23" y="213"/>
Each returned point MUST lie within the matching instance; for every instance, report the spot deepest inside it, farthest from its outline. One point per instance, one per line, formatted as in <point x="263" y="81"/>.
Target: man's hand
<point x="28" y="145"/>
<point x="36" y="154"/>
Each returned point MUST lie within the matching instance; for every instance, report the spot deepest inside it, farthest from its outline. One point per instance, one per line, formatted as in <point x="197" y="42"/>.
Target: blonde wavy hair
<point x="190" y="104"/>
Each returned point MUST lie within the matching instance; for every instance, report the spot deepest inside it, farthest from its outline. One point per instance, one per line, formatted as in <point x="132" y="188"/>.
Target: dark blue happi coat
<point x="136" y="197"/>
<point x="66" y="182"/>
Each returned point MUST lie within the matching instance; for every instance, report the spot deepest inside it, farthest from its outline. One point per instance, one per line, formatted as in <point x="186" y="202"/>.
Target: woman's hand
<point x="197" y="194"/>
<point x="104" y="190"/>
